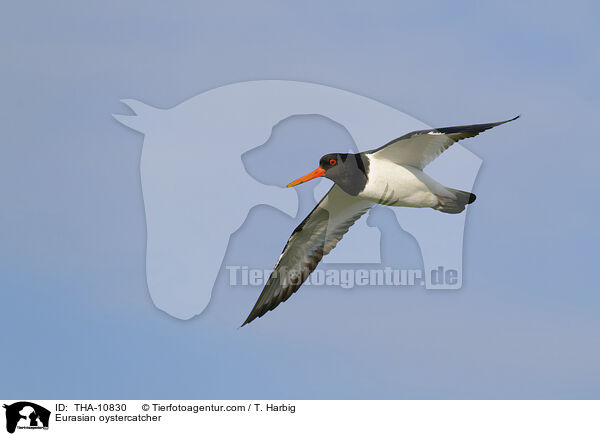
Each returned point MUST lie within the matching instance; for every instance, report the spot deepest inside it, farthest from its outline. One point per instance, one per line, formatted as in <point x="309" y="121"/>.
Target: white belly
<point x="396" y="185"/>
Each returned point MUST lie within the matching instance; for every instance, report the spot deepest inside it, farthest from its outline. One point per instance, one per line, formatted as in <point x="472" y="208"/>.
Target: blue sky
<point x="76" y="315"/>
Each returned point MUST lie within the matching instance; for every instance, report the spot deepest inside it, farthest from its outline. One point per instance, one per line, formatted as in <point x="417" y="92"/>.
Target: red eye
<point x="332" y="162"/>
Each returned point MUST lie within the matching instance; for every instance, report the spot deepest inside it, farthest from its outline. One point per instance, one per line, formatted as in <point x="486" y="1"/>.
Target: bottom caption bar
<point x="425" y="417"/>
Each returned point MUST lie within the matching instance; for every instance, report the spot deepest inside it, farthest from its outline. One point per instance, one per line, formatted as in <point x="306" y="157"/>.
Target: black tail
<point x="455" y="205"/>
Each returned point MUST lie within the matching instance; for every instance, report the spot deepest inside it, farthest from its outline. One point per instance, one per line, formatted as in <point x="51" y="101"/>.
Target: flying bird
<point x="391" y="175"/>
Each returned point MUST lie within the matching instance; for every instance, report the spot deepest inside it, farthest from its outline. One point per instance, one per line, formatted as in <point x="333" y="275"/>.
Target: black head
<point x="333" y="162"/>
<point x="349" y="171"/>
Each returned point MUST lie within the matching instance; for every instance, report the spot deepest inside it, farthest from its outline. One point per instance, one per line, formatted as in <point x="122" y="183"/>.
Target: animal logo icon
<point x="24" y="414"/>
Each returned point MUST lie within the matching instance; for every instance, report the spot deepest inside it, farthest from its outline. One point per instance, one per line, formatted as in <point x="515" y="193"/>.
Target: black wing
<point x="419" y="148"/>
<point x="316" y="236"/>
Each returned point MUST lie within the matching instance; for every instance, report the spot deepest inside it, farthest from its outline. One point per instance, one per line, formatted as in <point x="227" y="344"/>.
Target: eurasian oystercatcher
<point x="391" y="175"/>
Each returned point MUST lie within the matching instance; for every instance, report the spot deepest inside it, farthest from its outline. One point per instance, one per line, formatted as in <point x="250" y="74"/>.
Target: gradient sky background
<point x="76" y="316"/>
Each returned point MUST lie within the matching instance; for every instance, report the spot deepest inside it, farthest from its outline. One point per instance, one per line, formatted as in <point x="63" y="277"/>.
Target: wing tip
<point x="507" y="121"/>
<point x="248" y="320"/>
<point x="499" y="123"/>
<point x="253" y="315"/>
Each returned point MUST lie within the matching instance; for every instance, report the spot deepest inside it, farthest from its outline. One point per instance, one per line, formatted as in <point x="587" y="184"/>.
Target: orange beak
<point x="319" y="172"/>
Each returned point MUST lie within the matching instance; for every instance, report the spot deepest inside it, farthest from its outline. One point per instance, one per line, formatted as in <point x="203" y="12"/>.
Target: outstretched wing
<point x="316" y="236"/>
<point x="419" y="148"/>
